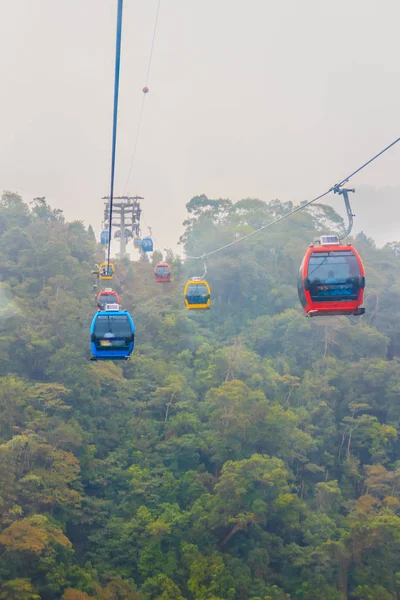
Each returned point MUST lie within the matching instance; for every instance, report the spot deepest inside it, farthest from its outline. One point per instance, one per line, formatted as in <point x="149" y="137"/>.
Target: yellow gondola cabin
<point x="197" y="294"/>
<point x="106" y="271"/>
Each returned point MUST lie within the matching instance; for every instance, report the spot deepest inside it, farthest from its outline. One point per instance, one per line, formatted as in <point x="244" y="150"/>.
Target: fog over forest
<point x="259" y="99"/>
<point x="192" y="433"/>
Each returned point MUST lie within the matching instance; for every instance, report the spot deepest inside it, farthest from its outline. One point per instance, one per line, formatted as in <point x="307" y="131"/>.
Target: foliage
<point x="244" y="454"/>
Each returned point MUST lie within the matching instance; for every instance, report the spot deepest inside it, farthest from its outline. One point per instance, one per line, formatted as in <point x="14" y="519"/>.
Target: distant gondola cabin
<point x="162" y="273"/>
<point x="147" y="244"/>
<point x="105" y="297"/>
<point x="106" y="271"/>
<point x="197" y="294"/>
<point x="331" y="279"/>
<point x="104" y="236"/>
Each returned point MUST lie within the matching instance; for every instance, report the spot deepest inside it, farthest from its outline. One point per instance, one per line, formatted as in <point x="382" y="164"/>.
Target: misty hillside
<point x="246" y="453"/>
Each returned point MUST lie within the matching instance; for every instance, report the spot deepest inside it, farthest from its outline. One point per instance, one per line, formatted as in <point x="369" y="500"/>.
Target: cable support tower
<point x="126" y="216"/>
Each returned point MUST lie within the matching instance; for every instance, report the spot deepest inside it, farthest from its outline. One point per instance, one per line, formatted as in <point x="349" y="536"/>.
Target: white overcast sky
<point x="248" y="98"/>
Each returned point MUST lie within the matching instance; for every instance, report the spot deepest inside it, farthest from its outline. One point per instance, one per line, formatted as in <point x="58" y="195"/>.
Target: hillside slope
<point x="246" y="453"/>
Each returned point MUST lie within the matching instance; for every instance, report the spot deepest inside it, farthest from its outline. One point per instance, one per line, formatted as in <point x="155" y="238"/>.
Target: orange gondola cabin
<point x="331" y="279"/>
<point x="107" y="296"/>
<point x="162" y="273"/>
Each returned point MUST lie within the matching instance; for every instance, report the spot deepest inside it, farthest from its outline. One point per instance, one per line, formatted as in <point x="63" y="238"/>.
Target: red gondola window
<point x="162" y="272"/>
<point x="333" y="276"/>
<point x="108" y="298"/>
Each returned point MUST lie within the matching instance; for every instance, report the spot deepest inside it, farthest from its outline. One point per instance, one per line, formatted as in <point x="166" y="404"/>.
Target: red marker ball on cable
<point x="145" y="90"/>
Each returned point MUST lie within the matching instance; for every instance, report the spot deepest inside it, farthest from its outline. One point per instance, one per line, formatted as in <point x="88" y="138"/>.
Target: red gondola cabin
<point x="162" y="273"/>
<point x="331" y="279"/>
<point x="107" y="296"/>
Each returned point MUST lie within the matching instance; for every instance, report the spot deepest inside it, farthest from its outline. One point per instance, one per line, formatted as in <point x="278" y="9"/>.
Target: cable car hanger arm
<point x="302" y="206"/>
<point x="345" y="193"/>
<point x="203" y="258"/>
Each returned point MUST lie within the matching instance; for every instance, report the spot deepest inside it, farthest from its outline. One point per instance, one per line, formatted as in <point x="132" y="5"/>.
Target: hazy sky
<point x="248" y="98"/>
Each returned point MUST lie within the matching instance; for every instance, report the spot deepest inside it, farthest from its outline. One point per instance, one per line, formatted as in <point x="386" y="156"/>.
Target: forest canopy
<point x="245" y="453"/>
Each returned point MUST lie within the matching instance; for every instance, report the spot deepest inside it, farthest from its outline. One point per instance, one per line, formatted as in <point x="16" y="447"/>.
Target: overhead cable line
<point x="335" y="189"/>
<point x="367" y="163"/>
<point x="152" y="43"/>
<point x="115" y="119"/>
<point x="261" y="228"/>
<point x="136" y="143"/>
<point x="144" y="95"/>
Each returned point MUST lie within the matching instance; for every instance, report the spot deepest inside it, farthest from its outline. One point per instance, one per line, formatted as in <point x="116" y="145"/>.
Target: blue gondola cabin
<point x="112" y="335"/>
<point x="147" y="244"/>
<point x="104" y="237"/>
